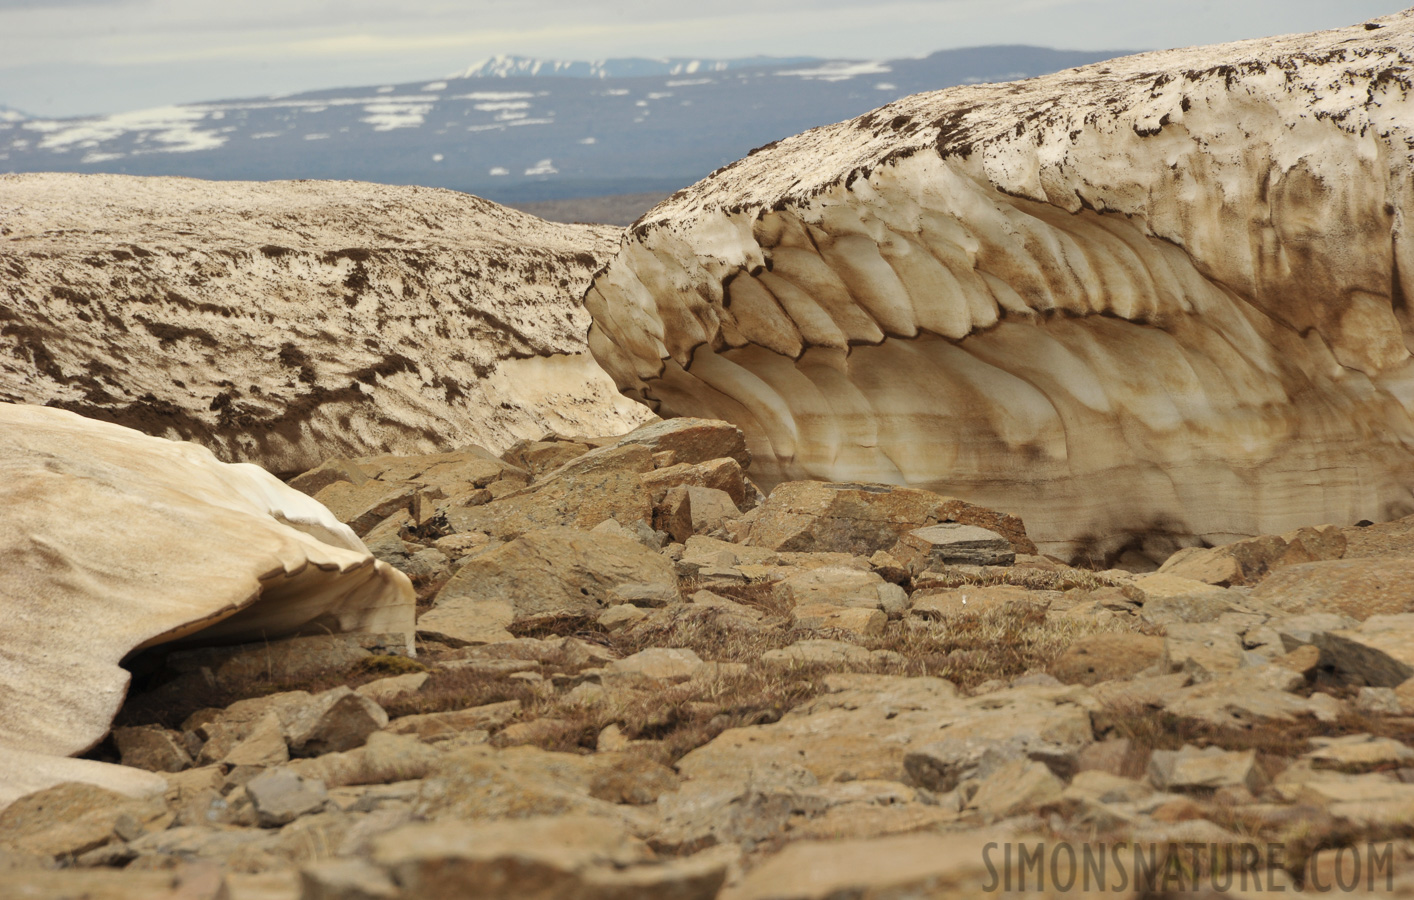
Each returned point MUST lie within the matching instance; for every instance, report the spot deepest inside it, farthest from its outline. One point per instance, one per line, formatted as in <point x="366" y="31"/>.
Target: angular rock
<point x="1209" y="769"/>
<point x="557" y="572"/>
<point x="603" y="484"/>
<point x="179" y="547"/>
<point x="385" y="689"/>
<point x="1094" y="658"/>
<point x="1016" y="787"/>
<point x="724" y="475"/>
<point x="1202" y="650"/>
<point x="824" y="616"/>
<point x="362" y="506"/>
<point x="1357" y="753"/>
<point x="332" y="722"/>
<point x="810" y="516"/>
<point x="152" y="747"/>
<point x="1380" y="653"/>
<point x="445" y="725"/>
<point x="688" y="509"/>
<point x="384" y="759"/>
<point x="664" y="664"/>
<point x="280" y="796"/>
<point x="326" y="473"/>
<point x="691" y="440"/>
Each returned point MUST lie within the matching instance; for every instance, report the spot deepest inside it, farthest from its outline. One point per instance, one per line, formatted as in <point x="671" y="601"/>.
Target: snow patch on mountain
<point x="634" y="67"/>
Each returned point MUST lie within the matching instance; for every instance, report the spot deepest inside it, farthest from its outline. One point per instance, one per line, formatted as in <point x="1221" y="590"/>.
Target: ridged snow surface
<point x="1162" y="298"/>
<point x="287" y="322"/>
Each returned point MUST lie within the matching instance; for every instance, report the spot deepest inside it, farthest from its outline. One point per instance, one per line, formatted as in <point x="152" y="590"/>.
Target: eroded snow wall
<point x="1153" y="301"/>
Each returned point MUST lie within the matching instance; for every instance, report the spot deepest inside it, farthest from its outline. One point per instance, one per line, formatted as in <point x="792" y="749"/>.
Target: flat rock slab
<point x="813" y="516"/>
<point x="557" y="572"/>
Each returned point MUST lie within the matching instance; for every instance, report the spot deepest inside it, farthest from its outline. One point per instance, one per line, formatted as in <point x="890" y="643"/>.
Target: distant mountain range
<point x="512" y="129"/>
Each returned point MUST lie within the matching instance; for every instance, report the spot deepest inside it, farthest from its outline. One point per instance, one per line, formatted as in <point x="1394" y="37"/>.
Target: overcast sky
<point x="73" y="57"/>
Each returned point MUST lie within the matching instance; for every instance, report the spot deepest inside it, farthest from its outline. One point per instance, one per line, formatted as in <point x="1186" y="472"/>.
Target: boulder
<point x="557" y="572"/>
<point x="362" y="506"/>
<point x="1202" y="649"/>
<point x="175" y="546"/>
<point x="280" y="796"/>
<point x="1359" y="588"/>
<point x="603" y="484"/>
<point x="840" y="586"/>
<point x="1170" y="599"/>
<point x="691" y="440"/>
<point x="812" y="516"/>
<point x="72" y="818"/>
<point x="1209" y="769"/>
<point x="1380" y="653"/>
<point x="826" y="616"/>
<point x="331" y="722"/>
<point x="152" y="747"/>
<point x="724" y="475"/>
<point x="1094" y="658"/>
<point x="686" y="510"/>
<point x="1016" y="787"/>
<point x="664" y="664"/>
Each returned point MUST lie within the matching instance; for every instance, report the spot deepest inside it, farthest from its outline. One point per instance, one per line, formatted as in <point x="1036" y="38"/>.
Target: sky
<point x="79" y="57"/>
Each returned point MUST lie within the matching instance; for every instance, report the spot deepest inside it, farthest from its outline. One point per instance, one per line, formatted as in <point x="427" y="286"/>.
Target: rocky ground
<point x="639" y="678"/>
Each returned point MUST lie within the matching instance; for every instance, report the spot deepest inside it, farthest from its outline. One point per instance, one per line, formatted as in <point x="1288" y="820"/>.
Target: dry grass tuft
<point x="975" y="647"/>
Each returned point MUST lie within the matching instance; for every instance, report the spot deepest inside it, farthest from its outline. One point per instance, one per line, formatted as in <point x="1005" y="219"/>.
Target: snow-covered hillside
<point x="505" y="133"/>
